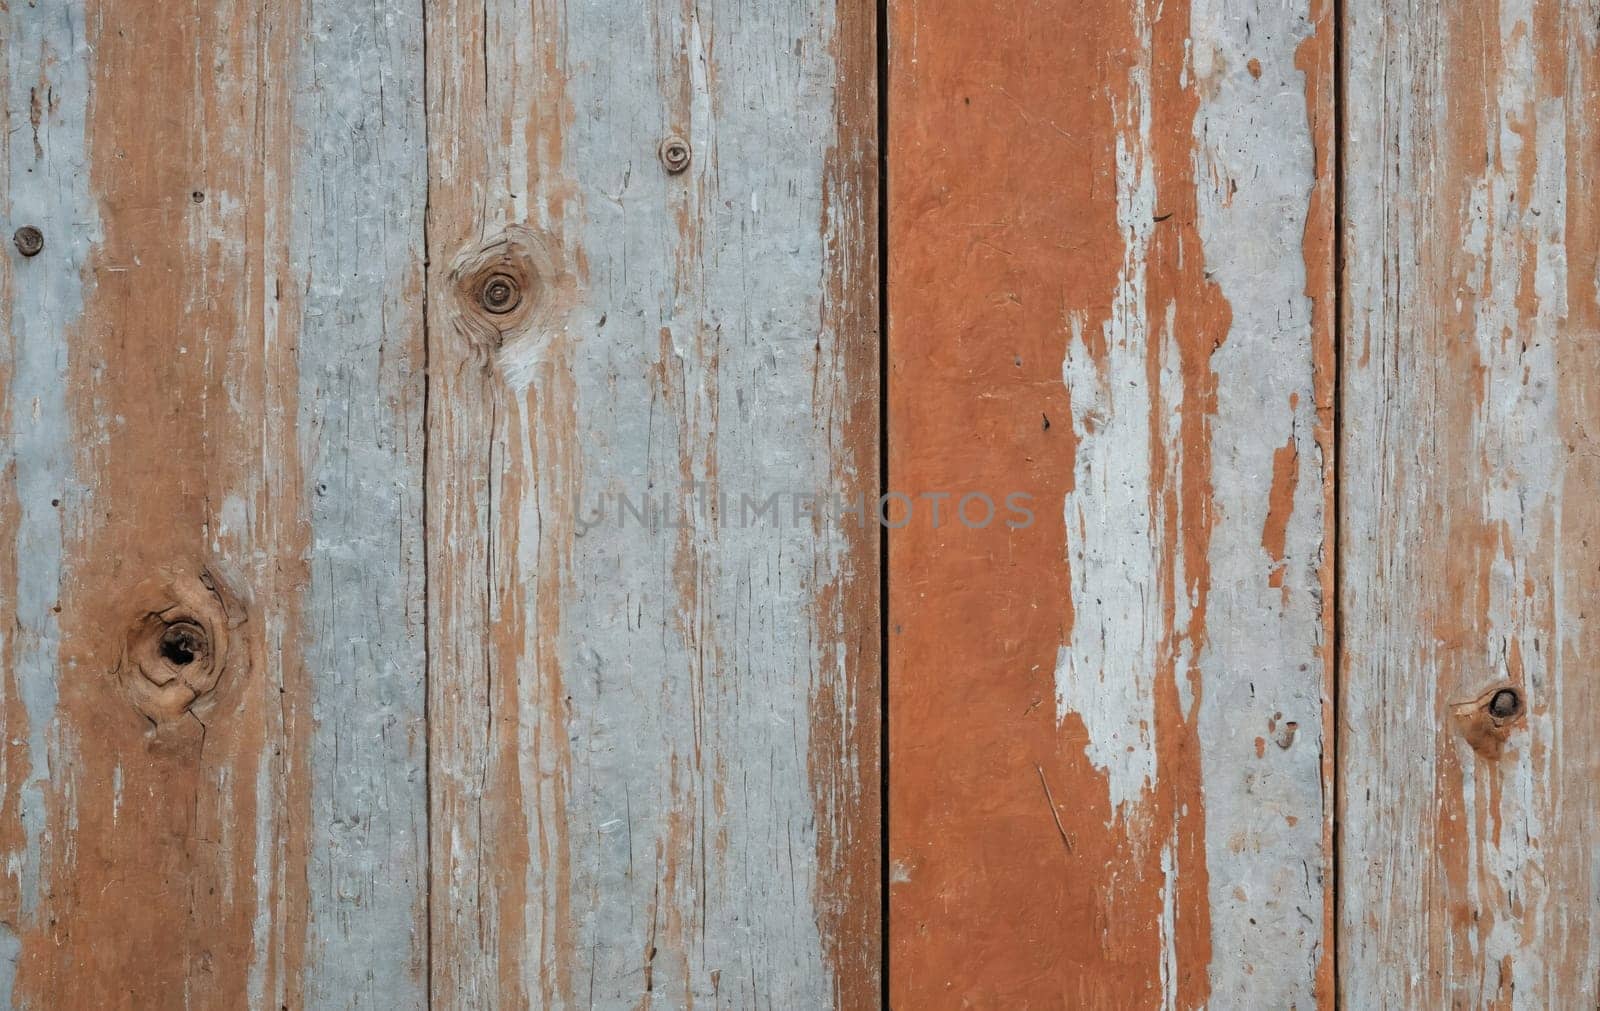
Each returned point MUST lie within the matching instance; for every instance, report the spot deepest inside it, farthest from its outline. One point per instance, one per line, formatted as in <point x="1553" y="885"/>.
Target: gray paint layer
<point x="359" y="194"/>
<point x="691" y="650"/>
<point x="1264" y="658"/>
<point x="1470" y="519"/>
<point x="657" y="820"/>
<point x="46" y="184"/>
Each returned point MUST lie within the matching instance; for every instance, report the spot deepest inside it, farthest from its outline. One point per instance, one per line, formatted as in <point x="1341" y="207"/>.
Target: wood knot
<point x="504" y="290"/>
<point x="500" y="294"/>
<point x="181" y="642"/>
<point x="1487" y="720"/>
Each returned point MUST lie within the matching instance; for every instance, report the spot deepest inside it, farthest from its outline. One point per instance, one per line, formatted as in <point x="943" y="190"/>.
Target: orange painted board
<point x="1110" y="291"/>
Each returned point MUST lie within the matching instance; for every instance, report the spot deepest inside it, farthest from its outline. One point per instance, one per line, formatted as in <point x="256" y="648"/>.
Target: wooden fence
<point x="769" y="504"/>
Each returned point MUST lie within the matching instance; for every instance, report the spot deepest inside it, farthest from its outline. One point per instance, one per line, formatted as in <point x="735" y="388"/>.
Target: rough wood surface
<point x="1469" y="870"/>
<point x="653" y="749"/>
<point x="514" y="365"/>
<point x="210" y="513"/>
<point x="1110" y="288"/>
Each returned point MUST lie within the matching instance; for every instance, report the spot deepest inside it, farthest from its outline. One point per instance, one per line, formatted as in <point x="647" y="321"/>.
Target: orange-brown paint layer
<point x="844" y="752"/>
<point x="1280" y="504"/>
<point x="153" y="825"/>
<point x="1012" y="880"/>
<point x="501" y="477"/>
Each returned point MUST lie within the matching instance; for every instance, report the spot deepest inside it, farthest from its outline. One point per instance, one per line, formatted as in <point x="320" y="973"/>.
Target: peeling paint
<point x="1470" y="268"/>
<point x="46" y="184"/>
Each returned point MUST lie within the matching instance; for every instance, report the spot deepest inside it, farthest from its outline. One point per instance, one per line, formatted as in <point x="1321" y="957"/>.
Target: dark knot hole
<point x="1505" y="703"/>
<point x="182" y="643"/>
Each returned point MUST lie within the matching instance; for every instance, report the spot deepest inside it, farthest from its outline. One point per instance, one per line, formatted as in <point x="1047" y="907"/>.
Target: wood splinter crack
<point x="1054" y="813"/>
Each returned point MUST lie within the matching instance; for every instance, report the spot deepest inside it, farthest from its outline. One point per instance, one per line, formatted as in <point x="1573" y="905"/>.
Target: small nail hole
<point x="181" y="644"/>
<point x="1505" y="703"/>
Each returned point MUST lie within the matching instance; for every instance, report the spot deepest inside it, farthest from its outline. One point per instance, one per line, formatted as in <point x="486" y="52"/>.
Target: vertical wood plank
<point x="1469" y="873"/>
<point x="653" y="709"/>
<point x="1110" y="290"/>
<point x="211" y="509"/>
<point x="357" y="256"/>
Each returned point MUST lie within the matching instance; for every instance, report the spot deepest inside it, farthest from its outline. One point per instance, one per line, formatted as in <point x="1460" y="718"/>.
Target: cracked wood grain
<point x="210" y="513"/>
<point x="1116" y="217"/>
<point x="652" y="749"/>
<point x="1469" y="874"/>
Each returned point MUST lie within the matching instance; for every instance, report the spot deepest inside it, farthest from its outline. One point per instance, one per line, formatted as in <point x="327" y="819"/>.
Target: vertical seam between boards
<point x="427" y="542"/>
<point x="1337" y="339"/>
<point x="881" y="43"/>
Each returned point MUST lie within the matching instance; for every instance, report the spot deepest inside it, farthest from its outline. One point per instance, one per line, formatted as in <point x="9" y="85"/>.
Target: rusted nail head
<point x="1505" y="703"/>
<point x="675" y="154"/>
<point x="29" y="240"/>
<point x="500" y="294"/>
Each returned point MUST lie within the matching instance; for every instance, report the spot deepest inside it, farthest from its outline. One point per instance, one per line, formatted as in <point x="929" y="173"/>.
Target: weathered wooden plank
<point x="1110" y="289"/>
<point x="211" y="507"/>
<point x="357" y="254"/>
<point x="1469" y="871"/>
<point x="652" y="750"/>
